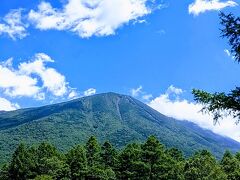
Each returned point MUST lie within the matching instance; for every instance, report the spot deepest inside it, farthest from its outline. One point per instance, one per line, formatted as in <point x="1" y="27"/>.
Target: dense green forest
<point x="150" y="160"/>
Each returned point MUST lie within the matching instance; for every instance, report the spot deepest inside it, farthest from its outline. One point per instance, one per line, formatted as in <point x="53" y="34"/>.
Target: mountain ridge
<point x="109" y="116"/>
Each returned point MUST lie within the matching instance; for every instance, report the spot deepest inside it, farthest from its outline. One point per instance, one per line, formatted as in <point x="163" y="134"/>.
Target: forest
<point x="148" y="160"/>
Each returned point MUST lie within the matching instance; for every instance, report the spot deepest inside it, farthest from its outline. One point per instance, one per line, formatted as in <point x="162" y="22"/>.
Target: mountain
<point x="118" y="118"/>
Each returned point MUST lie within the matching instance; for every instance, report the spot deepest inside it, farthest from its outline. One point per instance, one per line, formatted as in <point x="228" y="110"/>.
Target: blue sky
<point x="148" y="49"/>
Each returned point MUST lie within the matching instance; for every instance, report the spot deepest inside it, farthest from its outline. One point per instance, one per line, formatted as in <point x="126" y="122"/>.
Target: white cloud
<point x="13" y="26"/>
<point x="172" y="89"/>
<point x="15" y="83"/>
<point x="139" y="93"/>
<point x="183" y="109"/>
<point x="89" y="18"/>
<point x="73" y="94"/>
<point x="201" y="6"/>
<point x="53" y="81"/>
<point x="136" y="92"/>
<point x="6" y="105"/>
<point x="147" y="97"/>
<point x="90" y="92"/>
<point x="32" y="79"/>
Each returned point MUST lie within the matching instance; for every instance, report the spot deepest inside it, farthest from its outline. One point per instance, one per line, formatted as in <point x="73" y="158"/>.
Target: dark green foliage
<point x="49" y="161"/>
<point x="152" y="151"/>
<point x="43" y="177"/>
<point x="130" y="164"/>
<point x="231" y="30"/>
<point x="161" y="164"/>
<point x="77" y="161"/>
<point x="22" y="164"/>
<point x="95" y="168"/>
<point x="4" y="172"/>
<point x="147" y="161"/>
<point x="108" y="155"/>
<point x="176" y="154"/>
<point x="117" y="118"/>
<point x="168" y="169"/>
<point x="230" y="166"/>
<point x="203" y="166"/>
<point x="93" y="151"/>
<point x="222" y="104"/>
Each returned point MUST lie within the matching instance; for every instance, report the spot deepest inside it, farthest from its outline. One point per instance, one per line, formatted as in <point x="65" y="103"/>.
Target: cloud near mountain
<point x="171" y="104"/>
<point x="32" y="79"/>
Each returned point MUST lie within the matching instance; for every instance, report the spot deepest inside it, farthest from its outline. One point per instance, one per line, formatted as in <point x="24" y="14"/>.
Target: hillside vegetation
<point x="116" y="118"/>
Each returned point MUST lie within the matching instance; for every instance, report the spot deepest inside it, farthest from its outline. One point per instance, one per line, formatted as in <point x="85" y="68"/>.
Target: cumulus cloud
<point x="89" y="18"/>
<point x="33" y="79"/>
<point x="13" y="26"/>
<point x="89" y="92"/>
<point x="15" y="83"/>
<point x="183" y="109"/>
<point x="6" y="105"/>
<point x="201" y="6"/>
<point x="52" y="80"/>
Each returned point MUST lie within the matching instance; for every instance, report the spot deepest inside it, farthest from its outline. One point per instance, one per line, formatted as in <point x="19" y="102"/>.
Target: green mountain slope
<point x="118" y="118"/>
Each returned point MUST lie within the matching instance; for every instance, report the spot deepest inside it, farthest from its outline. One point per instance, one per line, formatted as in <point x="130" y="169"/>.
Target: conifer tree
<point x="131" y="165"/>
<point x="152" y="152"/>
<point x="231" y="166"/>
<point x="92" y="151"/>
<point x="222" y="104"/>
<point x="203" y="166"/>
<point x="77" y="161"/>
<point x="21" y="164"/>
<point x="108" y="155"/>
<point x="95" y="168"/>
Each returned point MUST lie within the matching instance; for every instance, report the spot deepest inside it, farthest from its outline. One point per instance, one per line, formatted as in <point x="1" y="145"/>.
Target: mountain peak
<point x="109" y="116"/>
<point x="108" y="94"/>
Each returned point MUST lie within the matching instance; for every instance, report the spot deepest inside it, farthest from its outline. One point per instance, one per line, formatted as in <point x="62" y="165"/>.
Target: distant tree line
<point x="150" y="160"/>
